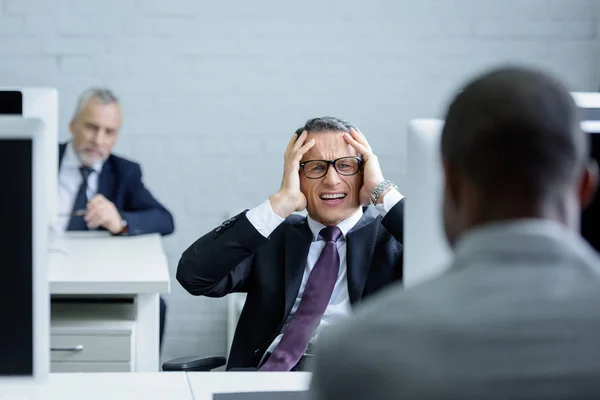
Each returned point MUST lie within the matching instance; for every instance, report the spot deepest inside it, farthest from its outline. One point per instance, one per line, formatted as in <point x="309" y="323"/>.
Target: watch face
<point x="123" y="223"/>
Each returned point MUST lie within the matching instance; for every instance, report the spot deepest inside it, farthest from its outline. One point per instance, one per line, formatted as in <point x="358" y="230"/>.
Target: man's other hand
<point x="372" y="175"/>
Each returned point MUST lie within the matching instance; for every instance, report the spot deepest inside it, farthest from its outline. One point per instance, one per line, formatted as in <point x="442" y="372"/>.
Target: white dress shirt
<point x="69" y="181"/>
<point x="264" y="219"/>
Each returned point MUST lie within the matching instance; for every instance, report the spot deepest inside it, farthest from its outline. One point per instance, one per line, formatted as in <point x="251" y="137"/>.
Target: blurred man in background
<point x="99" y="190"/>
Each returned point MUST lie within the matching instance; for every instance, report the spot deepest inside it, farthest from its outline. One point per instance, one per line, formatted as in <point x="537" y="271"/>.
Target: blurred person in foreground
<point x="517" y="314"/>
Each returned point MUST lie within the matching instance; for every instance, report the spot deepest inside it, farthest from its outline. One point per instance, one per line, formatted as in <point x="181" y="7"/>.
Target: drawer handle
<point x="79" y="347"/>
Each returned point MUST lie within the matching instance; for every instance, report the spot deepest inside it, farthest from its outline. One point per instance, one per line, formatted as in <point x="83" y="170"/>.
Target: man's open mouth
<point x="331" y="197"/>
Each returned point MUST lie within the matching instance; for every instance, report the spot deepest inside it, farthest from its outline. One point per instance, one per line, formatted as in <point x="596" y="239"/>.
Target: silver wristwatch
<point x="380" y="189"/>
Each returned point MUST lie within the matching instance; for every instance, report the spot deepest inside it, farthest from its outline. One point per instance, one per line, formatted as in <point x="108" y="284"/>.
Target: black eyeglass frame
<point x="333" y="162"/>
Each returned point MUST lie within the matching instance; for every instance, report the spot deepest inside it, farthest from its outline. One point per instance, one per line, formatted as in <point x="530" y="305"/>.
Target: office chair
<point x="197" y="363"/>
<point x="194" y="363"/>
<point x="235" y="304"/>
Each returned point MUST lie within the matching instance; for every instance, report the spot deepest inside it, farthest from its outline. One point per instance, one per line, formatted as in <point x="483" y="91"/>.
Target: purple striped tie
<point x="315" y="299"/>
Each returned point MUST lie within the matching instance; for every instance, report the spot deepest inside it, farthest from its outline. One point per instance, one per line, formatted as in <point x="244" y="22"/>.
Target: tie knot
<point x="331" y="233"/>
<point x="85" y="172"/>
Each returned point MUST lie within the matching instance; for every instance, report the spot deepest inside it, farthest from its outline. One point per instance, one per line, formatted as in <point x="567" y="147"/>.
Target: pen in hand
<point x="76" y="213"/>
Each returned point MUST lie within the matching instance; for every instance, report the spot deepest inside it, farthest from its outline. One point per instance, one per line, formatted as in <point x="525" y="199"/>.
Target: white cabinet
<point x="92" y="337"/>
<point x="97" y="265"/>
<point x="59" y="367"/>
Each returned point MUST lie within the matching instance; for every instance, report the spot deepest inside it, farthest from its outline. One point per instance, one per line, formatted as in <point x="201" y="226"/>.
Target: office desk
<point x="205" y="384"/>
<point x="108" y="386"/>
<point x="161" y="385"/>
<point x="98" y="265"/>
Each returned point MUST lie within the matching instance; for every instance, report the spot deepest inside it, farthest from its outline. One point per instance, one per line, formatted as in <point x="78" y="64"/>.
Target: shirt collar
<point x="70" y="160"/>
<point x="345" y="225"/>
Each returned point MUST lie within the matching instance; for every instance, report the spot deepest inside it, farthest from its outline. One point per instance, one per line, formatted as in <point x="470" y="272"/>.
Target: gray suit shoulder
<point x="348" y="353"/>
<point x="370" y="355"/>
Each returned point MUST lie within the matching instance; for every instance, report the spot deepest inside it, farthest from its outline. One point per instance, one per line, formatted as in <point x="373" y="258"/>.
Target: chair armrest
<point x="194" y="363"/>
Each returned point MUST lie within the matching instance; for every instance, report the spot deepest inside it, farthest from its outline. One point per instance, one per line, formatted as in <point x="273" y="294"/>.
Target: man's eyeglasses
<point x="346" y="166"/>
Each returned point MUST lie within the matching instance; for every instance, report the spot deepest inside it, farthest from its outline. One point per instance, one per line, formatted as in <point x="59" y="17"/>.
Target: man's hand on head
<point x="290" y="198"/>
<point x="372" y="174"/>
<point x="102" y="212"/>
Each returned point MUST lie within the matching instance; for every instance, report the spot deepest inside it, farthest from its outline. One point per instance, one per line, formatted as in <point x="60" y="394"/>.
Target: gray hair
<point x="105" y="96"/>
<point x="322" y="124"/>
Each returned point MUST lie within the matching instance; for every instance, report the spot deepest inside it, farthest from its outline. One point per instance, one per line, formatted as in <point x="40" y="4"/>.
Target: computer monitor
<point x="426" y="251"/>
<point x="24" y="294"/>
<point x="39" y="103"/>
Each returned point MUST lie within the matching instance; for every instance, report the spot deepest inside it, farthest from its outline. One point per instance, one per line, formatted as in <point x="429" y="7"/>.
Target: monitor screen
<point x="590" y="220"/>
<point x="16" y="252"/>
<point x="11" y="102"/>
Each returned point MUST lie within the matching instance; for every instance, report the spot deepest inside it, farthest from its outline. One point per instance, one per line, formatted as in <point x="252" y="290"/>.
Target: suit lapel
<point x="106" y="181"/>
<point x="297" y="244"/>
<point x="360" y="245"/>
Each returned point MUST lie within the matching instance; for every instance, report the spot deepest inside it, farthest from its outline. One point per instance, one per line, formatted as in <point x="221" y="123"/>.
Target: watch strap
<point x="379" y="189"/>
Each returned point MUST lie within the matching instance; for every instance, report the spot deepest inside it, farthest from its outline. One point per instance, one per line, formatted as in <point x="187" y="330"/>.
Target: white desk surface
<point x="205" y="384"/>
<point x="114" y="386"/>
<point x="161" y="385"/>
<point x="97" y="263"/>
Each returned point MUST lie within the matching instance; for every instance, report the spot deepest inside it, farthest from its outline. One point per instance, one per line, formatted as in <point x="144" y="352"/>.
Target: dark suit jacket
<point x="235" y="257"/>
<point x="121" y="182"/>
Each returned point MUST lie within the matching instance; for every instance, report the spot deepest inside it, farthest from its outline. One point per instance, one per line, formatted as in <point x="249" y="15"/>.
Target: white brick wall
<point x="213" y="90"/>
